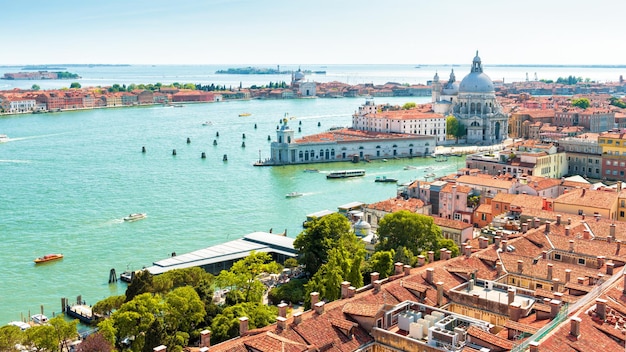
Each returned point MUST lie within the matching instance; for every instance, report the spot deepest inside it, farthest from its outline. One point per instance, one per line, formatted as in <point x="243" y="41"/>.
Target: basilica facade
<point x="473" y="103"/>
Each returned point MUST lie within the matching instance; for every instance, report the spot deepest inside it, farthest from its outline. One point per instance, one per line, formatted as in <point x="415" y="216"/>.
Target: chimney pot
<point x="205" y="338"/>
<point x="575" y="326"/>
<point x="398" y="268"/>
<point x="520" y="266"/>
<point x="407" y="270"/>
<point x="319" y="308"/>
<point x="377" y="285"/>
<point x="439" y="294"/>
<point x="558" y="219"/>
<point x="421" y="260"/>
<point x="468" y="251"/>
<point x="568" y="275"/>
<point x="430" y="273"/>
<point x="344" y="289"/>
<point x="297" y="317"/>
<point x="431" y="256"/>
<point x="161" y="348"/>
<point x="282" y="310"/>
<point x="281" y="322"/>
<point x="315" y="296"/>
<point x="374" y="276"/>
<point x="243" y="326"/>
<point x="550" y="265"/>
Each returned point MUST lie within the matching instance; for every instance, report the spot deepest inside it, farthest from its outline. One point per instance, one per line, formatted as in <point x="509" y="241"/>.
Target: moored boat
<point x="135" y="217"/>
<point x="48" y="257"/>
<point x="346" y="173"/>
<point x="207" y="123"/>
<point x="39" y="319"/>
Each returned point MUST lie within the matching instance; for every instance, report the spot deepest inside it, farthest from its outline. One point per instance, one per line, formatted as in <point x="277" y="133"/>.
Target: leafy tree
<point x="408" y="106"/>
<point x="447" y="244"/>
<point x="226" y="325"/>
<point x="10" y="336"/>
<point x="582" y="103"/>
<point x="314" y="243"/>
<point x="416" y="232"/>
<point x="107" y="329"/>
<point x="241" y="276"/>
<point x="382" y="263"/>
<point x="617" y="102"/>
<point x="95" y="343"/>
<point x="455" y="128"/>
<point x="189" y="86"/>
<point x="136" y="317"/>
<point x="404" y="255"/>
<point x="292" y="291"/>
<point x="185" y="310"/>
<point x="75" y="85"/>
<point x="141" y="283"/>
<point x="35" y="87"/>
<point x="291" y="263"/>
<point x="54" y="336"/>
<point x="108" y="305"/>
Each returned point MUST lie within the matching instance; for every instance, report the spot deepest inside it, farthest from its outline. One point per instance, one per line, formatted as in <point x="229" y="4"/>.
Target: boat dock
<point x="222" y="256"/>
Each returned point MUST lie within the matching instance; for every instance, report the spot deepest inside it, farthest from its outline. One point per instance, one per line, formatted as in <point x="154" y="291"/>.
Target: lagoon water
<point x="67" y="180"/>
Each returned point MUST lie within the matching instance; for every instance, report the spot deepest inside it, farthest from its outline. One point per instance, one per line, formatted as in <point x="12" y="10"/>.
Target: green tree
<point x="75" y="85"/>
<point x="292" y="291"/>
<point x="416" y="232"/>
<point x="318" y="238"/>
<point x="184" y="310"/>
<point x="243" y="274"/>
<point x="447" y="244"/>
<point x="582" y="103"/>
<point x="35" y="87"/>
<point x="405" y="255"/>
<point x="10" y="336"/>
<point x="141" y="283"/>
<point x="408" y="106"/>
<point x="226" y="324"/>
<point x="382" y="263"/>
<point x="455" y="128"/>
<point x="136" y="317"/>
<point x="54" y="336"/>
<point x="108" y="305"/>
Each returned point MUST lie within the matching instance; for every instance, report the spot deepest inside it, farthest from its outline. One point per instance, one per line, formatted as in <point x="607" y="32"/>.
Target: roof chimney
<point x="421" y="260"/>
<point x="377" y="285"/>
<point x="483" y="242"/>
<point x="315" y="296"/>
<point x="524" y="227"/>
<point x="374" y="276"/>
<point x="344" y="289"/>
<point x="558" y="219"/>
<point x="534" y="346"/>
<point x="600" y="259"/>
<point x="398" y="268"/>
<point x="496" y="241"/>
<point x="439" y="293"/>
<point x="429" y="275"/>
<point x="520" y="266"/>
<point x="567" y="231"/>
<point x="569" y="221"/>
<point x="205" y="338"/>
<point x="586" y="234"/>
<point x="281" y="322"/>
<point x="550" y="265"/>
<point x="282" y="310"/>
<point x="319" y="308"/>
<point x="568" y="275"/>
<point x="468" y="251"/>
<point x="547" y="230"/>
<point x="297" y="317"/>
<point x="612" y="231"/>
<point x="601" y="308"/>
<point x="407" y="270"/>
<point x="498" y="268"/>
<point x="504" y="245"/>
<point x="431" y="256"/>
<point x="243" y="326"/>
<point x="511" y="294"/>
<point x="575" y="326"/>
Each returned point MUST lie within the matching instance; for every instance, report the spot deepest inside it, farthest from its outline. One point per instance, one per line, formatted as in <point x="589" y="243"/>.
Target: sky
<point x="239" y="32"/>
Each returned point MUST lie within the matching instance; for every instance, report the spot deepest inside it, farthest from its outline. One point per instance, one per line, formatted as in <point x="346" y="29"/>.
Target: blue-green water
<point x="68" y="179"/>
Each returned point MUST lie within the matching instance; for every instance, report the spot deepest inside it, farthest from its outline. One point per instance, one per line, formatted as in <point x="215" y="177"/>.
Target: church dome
<point x="452" y="86"/>
<point x="362" y="228"/>
<point x="299" y="75"/>
<point x="476" y="81"/>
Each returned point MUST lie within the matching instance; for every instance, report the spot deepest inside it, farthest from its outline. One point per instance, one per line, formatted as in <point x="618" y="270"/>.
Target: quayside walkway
<point x="222" y="256"/>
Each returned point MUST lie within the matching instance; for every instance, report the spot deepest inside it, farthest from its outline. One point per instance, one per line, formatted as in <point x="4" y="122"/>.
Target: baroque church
<point x="473" y="103"/>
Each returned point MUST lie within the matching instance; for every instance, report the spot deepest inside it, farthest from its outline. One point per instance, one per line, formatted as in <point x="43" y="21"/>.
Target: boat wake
<point x="321" y="116"/>
<point x="35" y="137"/>
<point x="16" y="161"/>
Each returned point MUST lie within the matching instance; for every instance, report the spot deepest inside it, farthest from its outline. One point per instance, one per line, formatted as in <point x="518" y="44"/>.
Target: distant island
<point x="40" y="75"/>
<point x="262" y="71"/>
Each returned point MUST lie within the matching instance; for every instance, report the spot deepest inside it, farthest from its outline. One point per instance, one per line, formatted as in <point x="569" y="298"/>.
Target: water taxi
<point x="385" y="179"/>
<point x="48" y="257"/>
<point x="293" y="195"/>
<point x="39" y="319"/>
<point x="244" y="114"/>
<point x="135" y="217"/>
<point x="346" y="173"/>
<point x="4" y="138"/>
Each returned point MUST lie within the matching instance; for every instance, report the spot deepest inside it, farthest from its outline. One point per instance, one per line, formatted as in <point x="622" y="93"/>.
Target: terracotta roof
<point x="396" y="204"/>
<point x="589" y="198"/>
<point x="449" y="223"/>
<point x="489" y="338"/>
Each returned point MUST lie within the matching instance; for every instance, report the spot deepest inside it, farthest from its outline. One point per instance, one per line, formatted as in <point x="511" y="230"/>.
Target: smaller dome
<point x="451" y="88"/>
<point x="362" y="228"/>
<point x="299" y="75"/>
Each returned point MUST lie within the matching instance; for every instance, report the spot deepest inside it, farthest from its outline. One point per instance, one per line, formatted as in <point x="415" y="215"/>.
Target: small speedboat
<point x="135" y="217"/>
<point x="244" y="114"/>
<point x="293" y="195"/>
<point x="207" y="123"/>
<point x="410" y="167"/>
<point x="311" y="170"/>
<point x="4" y="138"/>
<point x="48" y="257"/>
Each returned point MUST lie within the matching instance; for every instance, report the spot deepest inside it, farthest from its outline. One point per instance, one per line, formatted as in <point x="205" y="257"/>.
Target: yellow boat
<point x="48" y="257"/>
<point x="244" y="114"/>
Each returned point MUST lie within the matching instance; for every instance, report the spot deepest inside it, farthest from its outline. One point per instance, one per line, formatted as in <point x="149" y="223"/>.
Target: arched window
<point x="301" y="154"/>
<point x="280" y="139"/>
<point x="312" y="154"/>
<point x="322" y="153"/>
<point x="288" y="139"/>
<point x="332" y="153"/>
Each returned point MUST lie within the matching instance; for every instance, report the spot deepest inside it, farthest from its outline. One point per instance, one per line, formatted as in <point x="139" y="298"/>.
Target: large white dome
<point x="476" y="81"/>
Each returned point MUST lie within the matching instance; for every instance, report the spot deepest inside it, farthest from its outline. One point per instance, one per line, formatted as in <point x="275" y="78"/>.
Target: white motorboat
<point x="4" y="138"/>
<point x="135" y="217"/>
<point x="293" y="195"/>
